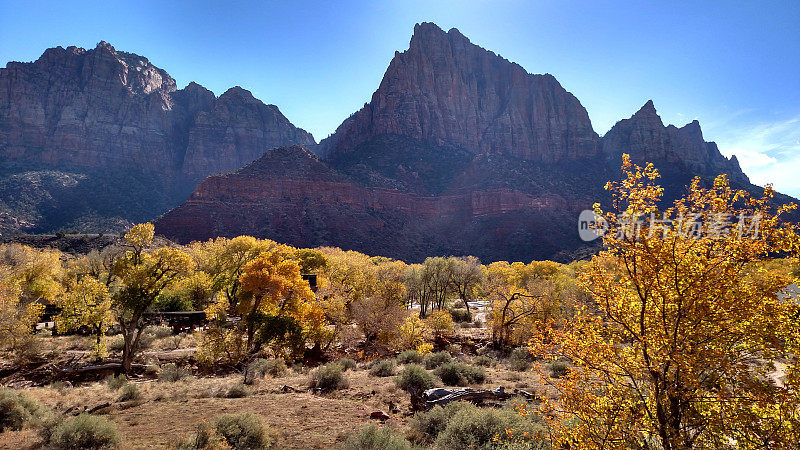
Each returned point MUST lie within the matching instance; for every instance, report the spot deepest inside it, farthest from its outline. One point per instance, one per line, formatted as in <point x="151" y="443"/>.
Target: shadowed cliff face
<point x="99" y="111"/>
<point x="458" y="152"/>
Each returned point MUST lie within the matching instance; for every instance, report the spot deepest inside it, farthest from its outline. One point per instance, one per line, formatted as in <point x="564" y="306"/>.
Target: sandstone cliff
<point x="117" y="121"/>
<point x="444" y="89"/>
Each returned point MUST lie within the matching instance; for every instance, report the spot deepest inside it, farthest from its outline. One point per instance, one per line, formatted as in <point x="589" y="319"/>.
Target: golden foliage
<point x="678" y="347"/>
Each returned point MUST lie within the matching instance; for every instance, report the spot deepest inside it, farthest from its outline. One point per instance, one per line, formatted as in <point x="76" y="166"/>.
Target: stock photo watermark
<point x="592" y="226"/>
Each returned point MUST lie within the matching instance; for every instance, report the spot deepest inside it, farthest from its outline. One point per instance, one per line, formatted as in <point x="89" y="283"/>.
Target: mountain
<point x="458" y="152"/>
<point x="444" y="89"/>
<point x="94" y="139"/>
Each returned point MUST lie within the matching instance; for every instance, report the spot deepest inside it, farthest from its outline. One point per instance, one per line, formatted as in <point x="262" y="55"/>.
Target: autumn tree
<point x="519" y="295"/>
<point x="87" y="303"/>
<point x="280" y="301"/>
<point x="223" y="260"/>
<point x="17" y="318"/>
<point x="143" y="275"/>
<point x="676" y="349"/>
<point x="466" y="275"/>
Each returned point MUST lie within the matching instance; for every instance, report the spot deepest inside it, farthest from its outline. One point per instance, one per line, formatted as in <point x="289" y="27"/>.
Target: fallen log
<point x="426" y="400"/>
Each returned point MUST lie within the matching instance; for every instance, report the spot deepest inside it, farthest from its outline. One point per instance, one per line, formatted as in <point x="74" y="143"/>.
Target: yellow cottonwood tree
<point x="88" y="304"/>
<point x="677" y="348"/>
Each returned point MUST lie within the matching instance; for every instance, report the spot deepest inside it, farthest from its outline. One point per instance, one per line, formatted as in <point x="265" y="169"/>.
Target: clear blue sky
<point x="735" y="66"/>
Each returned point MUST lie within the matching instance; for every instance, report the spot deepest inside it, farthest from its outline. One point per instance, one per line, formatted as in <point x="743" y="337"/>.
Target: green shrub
<point x="474" y="427"/>
<point x="519" y="359"/>
<point x="115" y="343"/>
<point x="129" y="392"/>
<point x="116" y="382"/>
<point x="16" y="409"/>
<point x="415" y="377"/>
<point x="460" y="315"/>
<point x="260" y="367"/>
<point x="457" y="374"/>
<point x="203" y="437"/>
<point x="435" y="360"/>
<point x="328" y="378"/>
<point x="159" y="331"/>
<point x="483" y="361"/>
<point x="374" y="437"/>
<point x="410" y="357"/>
<point x="558" y="369"/>
<point x="346" y="364"/>
<point x="238" y="390"/>
<point x="243" y="431"/>
<point x="85" y="432"/>
<point x="171" y="372"/>
<point x="426" y="426"/>
<point x="383" y="368"/>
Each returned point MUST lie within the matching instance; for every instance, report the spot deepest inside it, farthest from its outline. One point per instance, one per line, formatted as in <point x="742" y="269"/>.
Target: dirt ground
<point x="168" y="411"/>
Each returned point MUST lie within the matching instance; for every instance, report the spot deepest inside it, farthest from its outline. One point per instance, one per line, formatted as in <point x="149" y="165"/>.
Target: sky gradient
<point x="734" y="66"/>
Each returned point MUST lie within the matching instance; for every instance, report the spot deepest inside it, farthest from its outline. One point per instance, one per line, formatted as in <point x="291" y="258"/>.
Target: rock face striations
<point x="444" y="89"/>
<point x="102" y="114"/>
<point x="458" y="152"/>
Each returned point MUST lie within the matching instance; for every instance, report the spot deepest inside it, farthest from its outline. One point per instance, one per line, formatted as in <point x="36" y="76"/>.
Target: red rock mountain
<point x="105" y="121"/>
<point x="458" y="152"/>
<point x="444" y="89"/>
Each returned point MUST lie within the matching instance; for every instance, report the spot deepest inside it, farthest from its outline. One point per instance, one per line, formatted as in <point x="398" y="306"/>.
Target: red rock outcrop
<point x="444" y="89"/>
<point x="108" y="108"/>
<point x="646" y="139"/>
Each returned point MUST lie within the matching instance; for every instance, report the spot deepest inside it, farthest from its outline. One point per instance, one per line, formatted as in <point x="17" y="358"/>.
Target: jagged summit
<point x="447" y="91"/>
<point x="646" y="139"/>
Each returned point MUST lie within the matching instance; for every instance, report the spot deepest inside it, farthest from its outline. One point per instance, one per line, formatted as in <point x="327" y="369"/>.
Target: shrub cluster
<point x="483" y="361"/>
<point x="346" y="364"/>
<point x="383" y="368"/>
<point x="415" y="377"/>
<point x="238" y="390"/>
<point x="374" y="437"/>
<point x="519" y="360"/>
<point x="129" y="392"/>
<point x="84" y="431"/>
<point x="410" y="357"/>
<point x="172" y="372"/>
<point x="260" y="367"/>
<point x="435" y="360"/>
<point x="558" y="369"/>
<point x="16" y="409"/>
<point x="464" y="425"/>
<point x="460" y="315"/>
<point x="243" y="431"/>
<point x="458" y="374"/>
<point x="329" y="377"/>
<point x="116" y="382"/>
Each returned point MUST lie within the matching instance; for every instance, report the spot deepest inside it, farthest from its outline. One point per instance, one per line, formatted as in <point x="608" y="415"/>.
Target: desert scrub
<point x="457" y="374"/>
<point x="346" y="364"/>
<point x="464" y="425"/>
<point x="415" y="377"/>
<point x="16" y="410"/>
<point x="238" y="390"/>
<point x="435" y="360"/>
<point x="558" y="369"/>
<point x="260" y="367"/>
<point x="410" y="357"/>
<point x="84" y="432"/>
<point x="483" y="361"/>
<point x="328" y="378"/>
<point x="171" y="372"/>
<point x="159" y="331"/>
<point x="519" y="360"/>
<point x="129" y="392"/>
<point x="116" y="382"/>
<point x="243" y="431"/>
<point x="115" y="343"/>
<point x="426" y="426"/>
<point x="374" y="437"/>
<point x="203" y="437"/>
<point x="460" y="315"/>
<point x="383" y="368"/>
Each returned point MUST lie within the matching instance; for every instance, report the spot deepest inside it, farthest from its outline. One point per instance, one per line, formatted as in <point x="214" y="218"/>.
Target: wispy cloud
<point x="769" y="153"/>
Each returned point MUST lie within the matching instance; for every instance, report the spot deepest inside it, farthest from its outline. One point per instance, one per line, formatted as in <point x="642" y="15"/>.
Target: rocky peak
<point x="446" y="90"/>
<point x="646" y="139"/>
